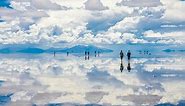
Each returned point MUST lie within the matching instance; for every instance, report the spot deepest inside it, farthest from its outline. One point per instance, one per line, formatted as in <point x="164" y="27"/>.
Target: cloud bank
<point x="91" y="21"/>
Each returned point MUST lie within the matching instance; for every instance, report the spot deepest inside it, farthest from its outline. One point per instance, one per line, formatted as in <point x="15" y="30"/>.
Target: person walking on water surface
<point x="129" y="54"/>
<point x="121" y="55"/>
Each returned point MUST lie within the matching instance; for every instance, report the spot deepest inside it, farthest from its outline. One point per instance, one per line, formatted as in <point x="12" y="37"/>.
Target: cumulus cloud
<point x="56" y="21"/>
<point x="94" y="5"/>
<point x="40" y="4"/>
<point x="175" y="37"/>
<point x="140" y="3"/>
<point x="174" y="10"/>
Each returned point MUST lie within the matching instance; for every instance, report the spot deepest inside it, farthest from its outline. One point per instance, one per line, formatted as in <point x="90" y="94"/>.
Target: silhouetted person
<point x="129" y="67"/>
<point x="98" y="54"/>
<point x="129" y="55"/>
<point x="147" y="52"/>
<point x="121" y="66"/>
<point x="95" y="53"/>
<point x="54" y="53"/>
<point x="67" y="53"/>
<point x="85" y="55"/>
<point x="88" y="55"/>
<point x="121" y="55"/>
<point x="140" y="52"/>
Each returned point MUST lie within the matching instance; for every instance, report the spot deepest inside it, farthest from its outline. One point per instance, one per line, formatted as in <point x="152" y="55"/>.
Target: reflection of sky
<point x="72" y="80"/>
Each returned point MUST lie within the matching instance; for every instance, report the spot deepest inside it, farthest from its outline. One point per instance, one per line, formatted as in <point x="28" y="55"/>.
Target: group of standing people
<point x="121" y="57"/>
<point x="87" y="54"/>
<point x="128" y="55"/>
<point x="145" y="52"/>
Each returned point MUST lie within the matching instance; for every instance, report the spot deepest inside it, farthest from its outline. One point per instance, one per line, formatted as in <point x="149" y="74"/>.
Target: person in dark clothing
<point x="129" y="55"/>
<point x="140" y="52"/>
<point x="88" y="55"/>
<point x="95" y="53"/>
<point x="121" y="55"/>
<point x="67" y="53"/>
<point x="85" y="55"/>
<point x="98" y="53"/>
<point x="54" y="53"/>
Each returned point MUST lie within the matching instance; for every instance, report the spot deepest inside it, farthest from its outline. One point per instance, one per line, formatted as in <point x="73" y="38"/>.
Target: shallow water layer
<point x="46" y="80"/>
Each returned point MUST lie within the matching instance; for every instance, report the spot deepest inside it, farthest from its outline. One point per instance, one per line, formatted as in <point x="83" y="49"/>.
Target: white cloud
<point x="94" y="5"/>
<point x="140" y="3"/>
<point x="36" y="19"/>
<point x="37" y="4"/>
<point x="174" y="10"/>
<point x="175" y="37"/>
<point x="127" y="24"/>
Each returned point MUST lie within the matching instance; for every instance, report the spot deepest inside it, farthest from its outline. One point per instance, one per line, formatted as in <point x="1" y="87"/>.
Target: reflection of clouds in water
<point x="95" y="97"/>
<point x="46" y="80"/>
<point x="168" y="64"/>
<point x="103" y="77"/>
<point x="139" y="100"/>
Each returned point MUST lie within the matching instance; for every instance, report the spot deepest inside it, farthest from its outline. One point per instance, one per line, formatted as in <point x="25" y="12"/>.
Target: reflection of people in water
<point x="121" y="66"/>
<point x="121" y="55"/>
<point x="85" y="58"/>
<point x="129" y="67"/>
<point x="129" y="55"/>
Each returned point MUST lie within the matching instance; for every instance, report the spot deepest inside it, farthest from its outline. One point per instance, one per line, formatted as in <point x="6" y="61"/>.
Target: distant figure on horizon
<point x="147" y="52"/>
<point x="128" y="67"/>
<point x="54" y="53"/>
<point x="121" y="55"/>
<point x="98" y="53"/>
<point x="88" y="55"/>
<point x="140" y="52"/>
<point x="85" y="55"/>
<point x="128" y="54"/>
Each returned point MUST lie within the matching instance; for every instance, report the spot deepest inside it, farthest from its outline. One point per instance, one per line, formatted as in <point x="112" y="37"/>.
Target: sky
<point x="48" y="22"/>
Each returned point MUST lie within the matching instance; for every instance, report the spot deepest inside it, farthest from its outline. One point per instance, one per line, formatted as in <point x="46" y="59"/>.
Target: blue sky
<point x="92" y="21"/>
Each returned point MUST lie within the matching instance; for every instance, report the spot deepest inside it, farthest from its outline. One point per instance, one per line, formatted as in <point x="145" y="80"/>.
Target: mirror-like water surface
<point x="46" y="80"/>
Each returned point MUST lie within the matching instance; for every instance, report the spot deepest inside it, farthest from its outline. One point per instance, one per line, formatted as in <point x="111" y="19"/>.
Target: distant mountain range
<point x="74" y="49"/>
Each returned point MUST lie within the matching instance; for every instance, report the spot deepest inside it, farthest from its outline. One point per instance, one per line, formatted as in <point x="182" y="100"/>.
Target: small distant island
<point x="173" y="50"/>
